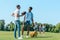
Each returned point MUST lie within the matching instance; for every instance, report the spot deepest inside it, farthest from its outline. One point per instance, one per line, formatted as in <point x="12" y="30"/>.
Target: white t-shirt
<point x="17" y="11"/>
<point x="43" y="26"/>
<point x="35" y="26"/>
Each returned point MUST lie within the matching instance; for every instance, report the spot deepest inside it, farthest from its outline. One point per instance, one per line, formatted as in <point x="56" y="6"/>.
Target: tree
<point x="57" y="29"/>
<point x="10" y="26"/>
<point x="2" y="23"/>
<point x="47" y="27"/>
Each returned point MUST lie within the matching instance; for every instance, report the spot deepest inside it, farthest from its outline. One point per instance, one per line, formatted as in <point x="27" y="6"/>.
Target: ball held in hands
<point x="23" y="13"/>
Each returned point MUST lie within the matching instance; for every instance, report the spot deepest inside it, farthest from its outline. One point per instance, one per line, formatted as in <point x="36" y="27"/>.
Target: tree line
<point x="48" y="27"/>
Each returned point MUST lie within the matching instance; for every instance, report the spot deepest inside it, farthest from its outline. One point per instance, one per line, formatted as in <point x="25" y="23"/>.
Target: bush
<point x="57" y="29"/>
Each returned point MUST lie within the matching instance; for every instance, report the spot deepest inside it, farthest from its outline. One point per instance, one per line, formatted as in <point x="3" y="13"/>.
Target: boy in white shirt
<point x="17" y="21"/>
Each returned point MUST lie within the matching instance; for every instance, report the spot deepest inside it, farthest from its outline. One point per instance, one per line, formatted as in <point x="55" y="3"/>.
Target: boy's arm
<point x="24" y="21"/>
<point x="24" y="18"/>
<point x="32" y="20"/>
<point x="23" y="13"/>
<point x="12" y="14"/>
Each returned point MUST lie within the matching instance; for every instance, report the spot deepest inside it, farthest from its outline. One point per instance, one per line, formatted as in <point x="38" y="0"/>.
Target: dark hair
<point x="44" y="24"/>
<point x="41" y="25"/>
<point x="31" y="8"/>
<point x="18" y="6"/>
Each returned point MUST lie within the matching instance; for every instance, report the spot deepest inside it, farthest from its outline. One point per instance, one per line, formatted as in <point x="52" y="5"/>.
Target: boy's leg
<point x="43" y="30"/>
<point x="28" y="27"/>
<point x="18" y="25"/>
<point x="22" y="30"/>
<point x="15" y="30"/>
<point x="40" y="30"/>
<point x="28" y="30"/>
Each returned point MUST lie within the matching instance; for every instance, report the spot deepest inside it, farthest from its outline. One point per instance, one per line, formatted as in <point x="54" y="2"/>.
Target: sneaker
<point x="20" y="38"/>
<point x="27" y="36"/>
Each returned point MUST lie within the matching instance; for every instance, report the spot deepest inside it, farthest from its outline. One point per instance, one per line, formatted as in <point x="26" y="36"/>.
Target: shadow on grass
<point x="30" y="38"/>
<point x="43" y="37"/>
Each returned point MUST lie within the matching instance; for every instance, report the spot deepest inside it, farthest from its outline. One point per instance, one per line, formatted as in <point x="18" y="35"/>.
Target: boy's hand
<point x="32" y="22"/>
<point x="13" y="14"/>
<point x="23" y="13"/>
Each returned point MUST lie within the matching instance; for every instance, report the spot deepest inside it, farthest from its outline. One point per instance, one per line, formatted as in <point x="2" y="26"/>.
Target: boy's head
<point x="43" y="24"/>
<point x="30" y="9"/>
<point x="18" y="6"/>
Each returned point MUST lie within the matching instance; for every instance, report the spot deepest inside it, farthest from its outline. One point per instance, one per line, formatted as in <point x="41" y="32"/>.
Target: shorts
<point x="27" y="23"/>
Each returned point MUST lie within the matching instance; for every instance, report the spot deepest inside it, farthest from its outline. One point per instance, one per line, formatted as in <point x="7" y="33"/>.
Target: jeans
<point x="17" y="28"/>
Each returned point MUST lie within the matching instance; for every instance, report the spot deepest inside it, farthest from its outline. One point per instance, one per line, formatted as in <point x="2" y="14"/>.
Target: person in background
<point x="35" y="26"/>
<point x="42" y="29"/>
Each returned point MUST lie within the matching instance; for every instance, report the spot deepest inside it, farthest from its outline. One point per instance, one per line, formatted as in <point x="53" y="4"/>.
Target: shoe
<point x="20" y="38"/>
<point x="27" y="36"/>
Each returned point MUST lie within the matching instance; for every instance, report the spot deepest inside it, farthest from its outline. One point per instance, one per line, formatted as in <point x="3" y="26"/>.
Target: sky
<point x="45" y="11"/>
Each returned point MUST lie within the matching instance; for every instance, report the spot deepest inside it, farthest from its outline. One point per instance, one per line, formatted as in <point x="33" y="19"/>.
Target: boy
<point x="42" y="29"/>
<point x="28" y="19"/>
<point x="17" y="21"/>
<point x="35" y="26"/>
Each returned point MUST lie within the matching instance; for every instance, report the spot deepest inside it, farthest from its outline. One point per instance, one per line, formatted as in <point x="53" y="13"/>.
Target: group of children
<point x="40" y="28"/>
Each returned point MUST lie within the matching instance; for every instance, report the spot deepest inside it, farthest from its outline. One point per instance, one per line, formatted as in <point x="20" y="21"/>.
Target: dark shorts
<point x="27" y="23"/>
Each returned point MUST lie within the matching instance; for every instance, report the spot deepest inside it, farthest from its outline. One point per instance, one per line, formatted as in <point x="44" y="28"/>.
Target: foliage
<point x="2" y="23"/>
<point x="57" y="29"/>
<point x="48" y="27"/>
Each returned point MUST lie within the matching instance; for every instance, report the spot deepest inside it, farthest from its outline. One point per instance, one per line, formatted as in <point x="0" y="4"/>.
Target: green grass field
<point x="5" y="35"/>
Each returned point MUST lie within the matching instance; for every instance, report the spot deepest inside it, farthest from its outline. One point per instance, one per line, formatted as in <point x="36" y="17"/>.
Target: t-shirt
<point x="17" y="11"/>
<point x="35" y="27"/>
<point x="28" y="16"/>
<point x="43" y="26"/>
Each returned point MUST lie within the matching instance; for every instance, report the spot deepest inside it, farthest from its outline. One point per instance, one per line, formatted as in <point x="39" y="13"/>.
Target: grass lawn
<point x="6" y="35"/>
